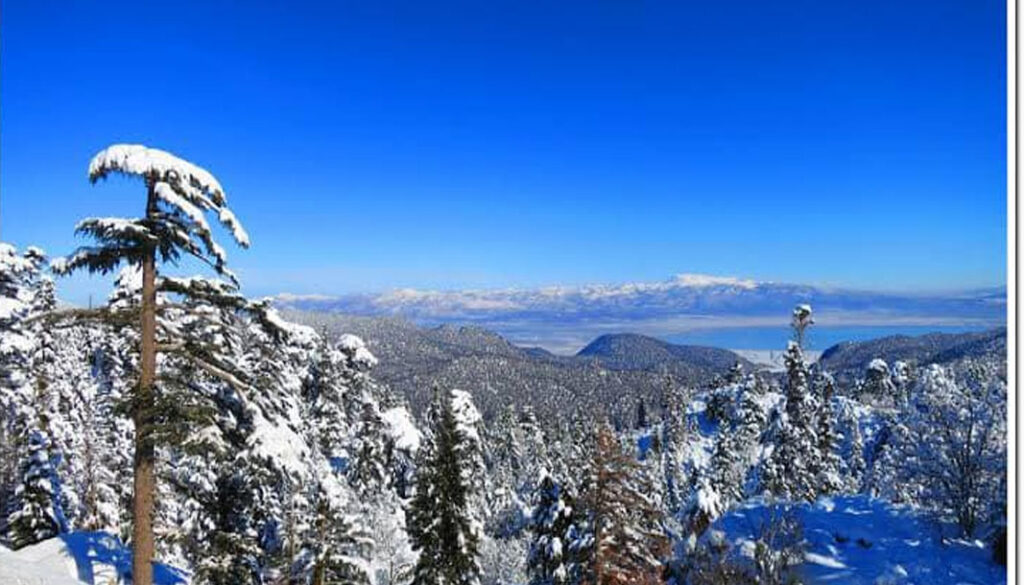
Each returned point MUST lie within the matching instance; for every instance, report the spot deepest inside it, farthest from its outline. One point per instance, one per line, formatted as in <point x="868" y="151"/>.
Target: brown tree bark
<point x="319" y="570"/>
<point x="145" y="458"/>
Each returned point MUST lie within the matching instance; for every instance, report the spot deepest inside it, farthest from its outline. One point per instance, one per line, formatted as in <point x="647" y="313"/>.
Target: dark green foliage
<point x="34" y="517"/>
<point x="641" y="415"/>
<point x="336" y="547"/>
<point x="369" y="471"/>
<point x="233" y="552"/>
<point x="441" y="524"/>
<point x="548" y="563"/>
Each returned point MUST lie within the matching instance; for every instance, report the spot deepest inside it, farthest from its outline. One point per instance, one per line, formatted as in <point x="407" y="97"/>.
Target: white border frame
<point x="1011" y="284"/>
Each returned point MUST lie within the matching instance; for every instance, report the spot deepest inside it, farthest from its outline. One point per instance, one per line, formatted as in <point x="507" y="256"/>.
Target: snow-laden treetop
<point x="179" y="195"/>
<point x="177" y="181"/>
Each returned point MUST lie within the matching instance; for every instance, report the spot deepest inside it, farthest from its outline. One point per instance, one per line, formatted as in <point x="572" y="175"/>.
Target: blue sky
<point x="853" y="143"/>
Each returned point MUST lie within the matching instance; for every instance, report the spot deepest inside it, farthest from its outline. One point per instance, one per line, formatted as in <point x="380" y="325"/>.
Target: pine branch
<point x="68" y="317"/>
<point x="222" y="374"/>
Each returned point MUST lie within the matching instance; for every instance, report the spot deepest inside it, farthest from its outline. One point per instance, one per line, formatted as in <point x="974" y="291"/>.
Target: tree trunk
<point x="145" y="459"/>
<point x="319" y="569"/>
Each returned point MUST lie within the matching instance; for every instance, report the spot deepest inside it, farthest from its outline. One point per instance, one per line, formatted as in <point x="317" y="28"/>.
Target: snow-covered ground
<point x="95" y="558"/>
<point x="852" y="540"/>
<point x="858" y="540"/>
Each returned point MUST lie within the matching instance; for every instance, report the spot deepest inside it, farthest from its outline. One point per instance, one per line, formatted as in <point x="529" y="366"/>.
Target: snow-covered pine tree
<point x="371" y="460"/>
<point x="65" y="394"/>
<point x="442" y="523"/>
<point x="854" y="465"/>
<point x="19" y="275"/>
<point x="536" y="457"/>
<point x="375" y="472"/>
<point x="406" y="438"/>
<point x="37" y="404"/>
<point x="219" y="495"/>
<point x="306" y="518"/>
<point x="324" y="390"/>
<point x="550" y="523"/>
<point x="878" y="386"/>
<point x="799" y="400"/>
<point x="788" y="471"/>
<point x="902" y="380"/>
<point x="735" y="449"/>
<point x="827" y="463"/>
<point x="727" y="468"/>
<point x="104" y="453"/>
<point x="676" y="430"/>
<point x="579" y="449"/>
<point x="750" y="416"/>
<point x="36" y="516"/>
<point x="373" y="447"/>
<point x="735" y="374"/>
<point x="640" y="422"/>
<point x="107" y="496"/>
<point x="628" y="543"/>
<point x="231" y="537"/>
<point x="174" y="224"/>
<point x="802" y="318"/>
<point x="890" y="458"/>
<point x="557" y="444"/>
<point x="705" y="504"/>
<point x="505" y="459"/>
<point x="339" y="548"/>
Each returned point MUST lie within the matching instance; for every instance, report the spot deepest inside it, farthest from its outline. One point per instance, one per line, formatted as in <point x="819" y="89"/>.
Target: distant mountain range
<point x="563" y="319"/>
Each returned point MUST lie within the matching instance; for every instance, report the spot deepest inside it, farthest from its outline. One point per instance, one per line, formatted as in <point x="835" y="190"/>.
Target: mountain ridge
<point x="635" y="351"/>
<point x="939" y="348"/>
<point x="414" y="358"/>
<point x="564" y="319"/>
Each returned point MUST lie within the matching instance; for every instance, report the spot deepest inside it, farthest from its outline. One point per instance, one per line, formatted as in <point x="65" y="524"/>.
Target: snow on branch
<point x="167" y="194"/>
<point x="97" y="259"/>
<point x="136" y="159"/>
<point x="116" y="229"/>
<point x="177" y="181"/>
<point x="227" y="217"/>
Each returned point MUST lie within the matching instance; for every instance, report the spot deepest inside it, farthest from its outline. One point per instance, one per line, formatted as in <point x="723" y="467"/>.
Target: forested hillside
<point x="936" y="348"/>
<point x="414" y="358"/>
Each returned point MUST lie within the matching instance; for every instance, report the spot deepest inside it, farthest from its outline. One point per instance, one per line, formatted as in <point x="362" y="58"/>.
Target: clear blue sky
<point x="477" y="144"/>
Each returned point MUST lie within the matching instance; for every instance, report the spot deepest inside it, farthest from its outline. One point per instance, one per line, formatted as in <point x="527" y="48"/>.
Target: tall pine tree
<point x="625" y="532"/>
<point x="550" y="523"/>
<point x="790" y="469"/>
<point x="35" y="516"/>
<point x="441" y="520"/>
<point x="178" y="195"/>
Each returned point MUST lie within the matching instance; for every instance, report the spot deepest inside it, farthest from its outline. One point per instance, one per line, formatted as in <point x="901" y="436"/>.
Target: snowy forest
<point x="184" y="433"/>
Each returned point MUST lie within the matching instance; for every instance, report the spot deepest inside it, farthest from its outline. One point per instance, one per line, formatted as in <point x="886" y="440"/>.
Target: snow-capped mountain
<point x="684" y="294"/>
<point x="564" y="318"/>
